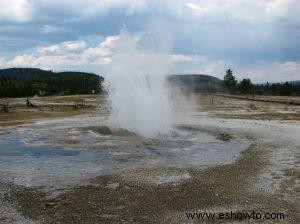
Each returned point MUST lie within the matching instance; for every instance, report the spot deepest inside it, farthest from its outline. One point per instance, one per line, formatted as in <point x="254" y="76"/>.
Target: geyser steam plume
<point x="137" y="86"/>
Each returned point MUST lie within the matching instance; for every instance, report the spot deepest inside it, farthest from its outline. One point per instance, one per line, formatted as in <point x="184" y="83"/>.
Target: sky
<point x="257" y="39"/>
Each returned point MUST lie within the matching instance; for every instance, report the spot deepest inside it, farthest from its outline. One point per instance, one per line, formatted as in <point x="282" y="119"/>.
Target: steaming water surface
<point x="74" y="151"/>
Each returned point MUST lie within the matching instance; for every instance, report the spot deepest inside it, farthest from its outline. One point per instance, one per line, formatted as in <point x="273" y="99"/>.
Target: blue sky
<point x="258" y="39"/>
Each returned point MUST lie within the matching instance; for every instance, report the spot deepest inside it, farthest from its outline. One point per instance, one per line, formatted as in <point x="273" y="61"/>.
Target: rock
<point x="104" y="130"/>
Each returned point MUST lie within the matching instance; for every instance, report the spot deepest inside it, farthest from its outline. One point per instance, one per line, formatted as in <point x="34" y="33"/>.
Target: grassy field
<point x="222" y="107"/>
<point x="47" y="107"/>
<point x="232" y="108"/>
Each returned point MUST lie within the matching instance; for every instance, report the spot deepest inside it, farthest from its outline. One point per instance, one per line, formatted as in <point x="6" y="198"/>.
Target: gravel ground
<point x="264" y="178"/>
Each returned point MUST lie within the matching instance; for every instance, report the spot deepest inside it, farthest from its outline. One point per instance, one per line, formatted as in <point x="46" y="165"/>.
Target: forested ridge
<point x="26" y="82"/>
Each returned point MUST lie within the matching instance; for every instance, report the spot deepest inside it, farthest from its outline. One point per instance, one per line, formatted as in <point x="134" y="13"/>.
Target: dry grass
<point x="21" y="115"/>
<point x="262" y="116"/>
<point x="230" y="108"/>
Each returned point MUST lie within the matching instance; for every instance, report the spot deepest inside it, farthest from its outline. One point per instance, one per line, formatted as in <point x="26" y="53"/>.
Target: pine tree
<point x="229" y="81"/>
<point x="246" y="86"/>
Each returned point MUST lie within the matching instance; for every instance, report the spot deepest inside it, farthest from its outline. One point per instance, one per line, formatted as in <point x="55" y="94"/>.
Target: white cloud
<point x="44" y="61"/>
<point x="187" y="58"/>
<point x="90" y="8"/>
<point x="26" y="10"/>
<point x="78" y="55"/>
<point x="69" y="54"/>
<point x="22" y="60"/>
<point x="63" y="48"/>
<point x="278" y="7"/>
<point x="246" y="10"/>
<point x="203" y="8"/>
<point x="211" y="10"/>
<point x="214" y="68"/>
<point x="2" y="62"/>
<point x="104" y="49"/>
<point x="16" y="10"/>
<point x="273" y="71"/>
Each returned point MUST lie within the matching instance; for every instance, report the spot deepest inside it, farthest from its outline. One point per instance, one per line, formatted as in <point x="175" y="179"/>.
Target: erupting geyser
<point x="137" y="86"/>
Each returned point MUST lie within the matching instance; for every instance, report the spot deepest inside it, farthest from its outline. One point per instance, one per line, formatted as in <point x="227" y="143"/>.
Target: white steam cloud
<point x="137" y="86"/>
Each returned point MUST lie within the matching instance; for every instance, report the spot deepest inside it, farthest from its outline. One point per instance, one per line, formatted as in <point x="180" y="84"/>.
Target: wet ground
<point x="76" y="170"/>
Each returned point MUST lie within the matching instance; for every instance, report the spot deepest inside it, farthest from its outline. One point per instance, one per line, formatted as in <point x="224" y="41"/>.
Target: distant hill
<point x="23" y="82"/>
<point x="197" y="82"/>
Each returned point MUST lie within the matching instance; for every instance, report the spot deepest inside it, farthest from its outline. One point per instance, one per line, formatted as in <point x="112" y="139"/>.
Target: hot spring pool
<point x="54" y="155"/>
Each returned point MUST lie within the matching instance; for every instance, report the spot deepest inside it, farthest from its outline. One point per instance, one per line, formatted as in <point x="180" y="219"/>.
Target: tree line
<point x="28" y="82"/>
<point x="245" y="86"/>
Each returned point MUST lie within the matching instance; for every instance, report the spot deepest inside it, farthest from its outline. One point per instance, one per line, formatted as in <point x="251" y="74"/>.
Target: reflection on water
<point x="13" y="146"/>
